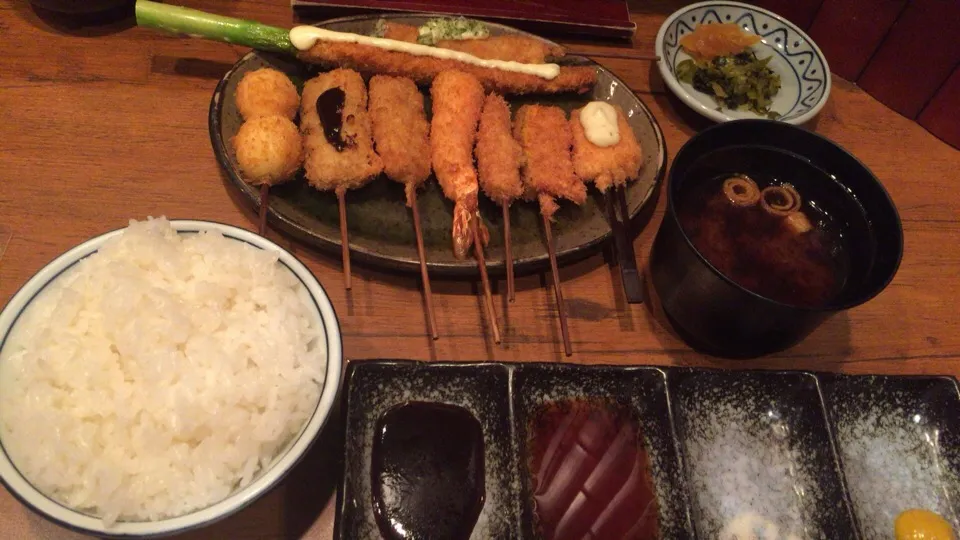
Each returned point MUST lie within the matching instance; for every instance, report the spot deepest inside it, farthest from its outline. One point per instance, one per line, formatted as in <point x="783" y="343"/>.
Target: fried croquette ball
<point x="269" y="149"/>
<point x="266" y="92"/>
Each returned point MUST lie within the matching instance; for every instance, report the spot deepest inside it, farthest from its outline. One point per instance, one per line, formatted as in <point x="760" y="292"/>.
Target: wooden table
<point x="107" y="124"/>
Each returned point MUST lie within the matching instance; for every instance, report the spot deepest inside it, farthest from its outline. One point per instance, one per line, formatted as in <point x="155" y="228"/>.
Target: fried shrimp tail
<point x="457" y="101"/>
<point x="544" y="135"/>
<point x="400" y="131"/>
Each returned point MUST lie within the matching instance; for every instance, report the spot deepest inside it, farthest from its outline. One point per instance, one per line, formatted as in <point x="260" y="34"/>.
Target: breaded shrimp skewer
<point x="401" y="134"/>
<point x="337" y="141"/>
<point x="457" y="101"/>
<point x="498" y="162"/>
<point x="544" y="135"/>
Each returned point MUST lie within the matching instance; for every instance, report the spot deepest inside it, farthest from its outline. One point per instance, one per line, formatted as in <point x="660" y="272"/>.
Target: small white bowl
<point x="56" y="512"/>
<point x="804" y="73"/>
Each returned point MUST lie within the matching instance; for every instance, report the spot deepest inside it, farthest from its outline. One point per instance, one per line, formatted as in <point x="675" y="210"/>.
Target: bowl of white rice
<point x="160" y="377"/>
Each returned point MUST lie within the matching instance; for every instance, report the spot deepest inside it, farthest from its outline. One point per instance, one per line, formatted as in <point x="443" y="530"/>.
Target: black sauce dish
<point x="714" y="314"/>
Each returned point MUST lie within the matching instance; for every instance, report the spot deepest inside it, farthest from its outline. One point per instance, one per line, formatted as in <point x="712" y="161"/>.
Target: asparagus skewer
<point x="180" y="20"/>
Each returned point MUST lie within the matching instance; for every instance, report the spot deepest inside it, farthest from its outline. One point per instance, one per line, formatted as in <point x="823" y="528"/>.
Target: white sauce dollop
<point x="599" y="121"/>
<point x="304" y="37"/>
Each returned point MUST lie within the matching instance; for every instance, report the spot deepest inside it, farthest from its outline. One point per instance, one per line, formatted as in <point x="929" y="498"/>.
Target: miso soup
<point x="783" y="237"/>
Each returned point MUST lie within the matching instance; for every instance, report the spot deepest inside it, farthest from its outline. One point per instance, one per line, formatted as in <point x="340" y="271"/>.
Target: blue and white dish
<point x="804" y="73"/>
<point x="267" y="479"/>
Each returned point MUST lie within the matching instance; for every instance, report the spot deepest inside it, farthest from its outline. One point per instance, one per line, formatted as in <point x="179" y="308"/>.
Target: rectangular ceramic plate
<point x="756" y="450"/>
<point x="642" y="390"/>
<point x="371" y="388"/>
<point x="825" y="456"/>
<point x="898" y="439"/>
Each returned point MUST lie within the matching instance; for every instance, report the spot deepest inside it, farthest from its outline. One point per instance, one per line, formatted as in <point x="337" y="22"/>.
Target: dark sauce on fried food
<point x="427" y="472"/>
<point x="590" y="473"/>
<point x="760" y="253"/>
<point x="330" y="109"/>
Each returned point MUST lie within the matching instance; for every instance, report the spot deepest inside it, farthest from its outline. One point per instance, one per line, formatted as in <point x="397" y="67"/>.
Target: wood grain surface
<point x="107" y="123"/>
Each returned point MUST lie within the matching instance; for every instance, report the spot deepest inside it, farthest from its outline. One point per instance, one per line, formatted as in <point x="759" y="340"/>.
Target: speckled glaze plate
<point x="380" y="225"/>
<point x="792" y="453"/>
<point x="899" y="441"/>
<point x="757" y="454"/>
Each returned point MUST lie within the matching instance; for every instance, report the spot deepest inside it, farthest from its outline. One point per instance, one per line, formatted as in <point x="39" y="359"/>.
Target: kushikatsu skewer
<point x="401" y="135"/>
<point x="606" y="151"/>
<point x="498" y="164"/>
<point x="547" y="172"/>
<point x="338" y="141"/>
<point x="457" y="101"/>
<point x="267" y="145"/>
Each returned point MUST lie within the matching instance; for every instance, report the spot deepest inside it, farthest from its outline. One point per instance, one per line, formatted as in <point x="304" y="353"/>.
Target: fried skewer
<point x="346" y="51"/>
<point x="457" y="102"/>
<point x="337" y="141"/>
<point x="544" y="135"/>
<point x="401" y="135"/>
<point x="267" y="145"/>
<point x="608" y="154"/>
<point x="498" y="162"/>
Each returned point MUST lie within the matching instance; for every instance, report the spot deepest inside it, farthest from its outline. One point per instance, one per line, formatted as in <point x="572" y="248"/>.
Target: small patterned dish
<point x="803" y="70"/>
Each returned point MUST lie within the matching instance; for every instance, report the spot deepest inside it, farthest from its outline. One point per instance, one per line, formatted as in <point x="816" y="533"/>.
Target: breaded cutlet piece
<point x="547" y="167"/>
<point x="423" y="69"/>
<point x="610" y="165"/>
<point x="522" y="49"/>
<point x="457" y="100"/>
<point x="327" y="168"/>
<point x="498" y="153"/>
<point x="400" y="130"/>
<point x="400" y="31"/>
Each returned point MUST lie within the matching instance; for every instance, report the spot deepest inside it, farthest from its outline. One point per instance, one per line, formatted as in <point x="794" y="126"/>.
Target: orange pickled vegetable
<point x="711" y="40"/>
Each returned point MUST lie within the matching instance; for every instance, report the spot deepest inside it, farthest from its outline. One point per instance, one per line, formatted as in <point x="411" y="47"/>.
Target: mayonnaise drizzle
<point x="599" y="121"/>
<point x="304" y="38"/>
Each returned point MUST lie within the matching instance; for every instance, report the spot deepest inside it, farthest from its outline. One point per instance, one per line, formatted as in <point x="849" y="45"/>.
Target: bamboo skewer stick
<point x="508" y="254"/>
<point x="478" y="251"/>
<point x="561" y="309"/>
<point x="344" y="239"/>
<point x="427" y="293"/>
<point x="264" y="201"/>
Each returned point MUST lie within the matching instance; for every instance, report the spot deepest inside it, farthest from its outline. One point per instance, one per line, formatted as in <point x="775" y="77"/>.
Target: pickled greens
<point x="738" y="82"/>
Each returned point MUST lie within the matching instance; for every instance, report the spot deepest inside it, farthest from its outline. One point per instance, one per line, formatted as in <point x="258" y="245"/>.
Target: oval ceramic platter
<point x="804" y="73"/>
<point x="380" y="225"/>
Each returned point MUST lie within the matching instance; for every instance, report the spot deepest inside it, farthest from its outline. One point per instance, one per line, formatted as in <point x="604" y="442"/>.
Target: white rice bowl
<point x="164" y="381"/>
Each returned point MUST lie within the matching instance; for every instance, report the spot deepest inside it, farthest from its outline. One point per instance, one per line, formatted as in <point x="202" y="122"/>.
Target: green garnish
<point x="738" y="82"/>
<point x="442" y="28"/>
<point x="379" y="29"/>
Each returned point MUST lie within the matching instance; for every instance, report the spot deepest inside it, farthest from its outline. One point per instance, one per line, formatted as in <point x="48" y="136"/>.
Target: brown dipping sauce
<point x="427" y="472"/>
<point x="590" y="472"/>
<point x="330" y="110"/>
<point x="760" y="251"/>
